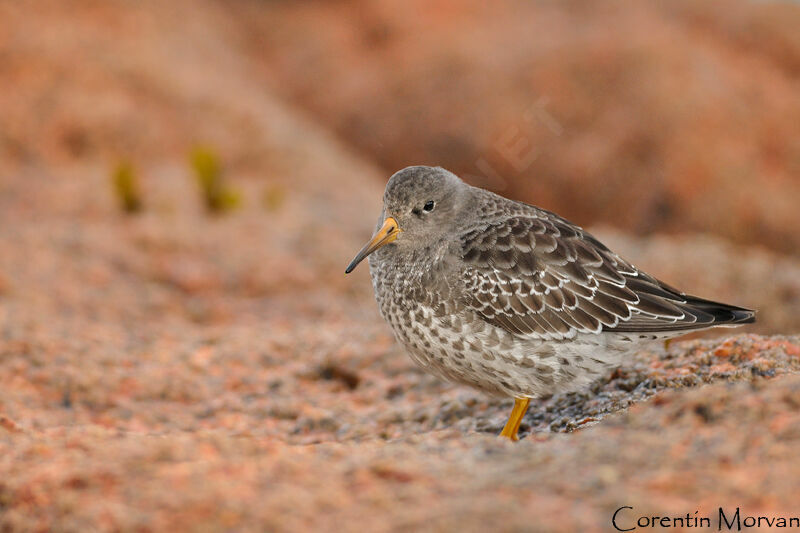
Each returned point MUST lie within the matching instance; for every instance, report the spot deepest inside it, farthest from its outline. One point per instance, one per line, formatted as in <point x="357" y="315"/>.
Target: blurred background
<point x="182" y="184"/>
<point x="651" y="116"/>
<point x="673" y="118"/>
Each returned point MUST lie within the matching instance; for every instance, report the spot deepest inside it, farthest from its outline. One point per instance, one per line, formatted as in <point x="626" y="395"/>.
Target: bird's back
<point x="535" y="274"/>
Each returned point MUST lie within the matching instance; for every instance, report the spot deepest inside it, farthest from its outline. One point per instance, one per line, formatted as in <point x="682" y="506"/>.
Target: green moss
<point x="126" y="187"/>
<point x="217" y="196"/>
<point x="273" y="197"/>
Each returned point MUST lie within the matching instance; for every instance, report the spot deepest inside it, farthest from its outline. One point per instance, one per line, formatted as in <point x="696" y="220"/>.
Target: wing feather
<point x="537" y="275"/>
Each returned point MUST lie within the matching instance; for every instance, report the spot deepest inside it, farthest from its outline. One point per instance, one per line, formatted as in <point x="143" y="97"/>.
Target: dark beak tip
<point x="352" y="266"/>
<point x="385" y="235"/>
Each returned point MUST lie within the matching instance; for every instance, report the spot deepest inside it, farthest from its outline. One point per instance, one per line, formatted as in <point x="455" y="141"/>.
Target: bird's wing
<point x="540" y="276"/>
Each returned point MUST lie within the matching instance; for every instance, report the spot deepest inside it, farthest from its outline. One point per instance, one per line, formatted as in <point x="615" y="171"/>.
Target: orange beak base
<point x="386" y="234"/>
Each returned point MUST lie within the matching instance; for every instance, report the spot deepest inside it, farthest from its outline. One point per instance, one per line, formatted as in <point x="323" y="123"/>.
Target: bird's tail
<point x="722" y="314"/>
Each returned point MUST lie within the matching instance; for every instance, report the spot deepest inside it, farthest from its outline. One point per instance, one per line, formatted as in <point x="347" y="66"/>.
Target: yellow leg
<point x="512" y="426"/>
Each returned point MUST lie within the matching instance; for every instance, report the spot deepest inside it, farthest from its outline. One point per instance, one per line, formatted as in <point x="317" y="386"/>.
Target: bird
<point x="510" y="298"/>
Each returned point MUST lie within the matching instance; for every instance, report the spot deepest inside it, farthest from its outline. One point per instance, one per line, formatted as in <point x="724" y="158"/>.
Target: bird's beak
<point x="382" y="237"/>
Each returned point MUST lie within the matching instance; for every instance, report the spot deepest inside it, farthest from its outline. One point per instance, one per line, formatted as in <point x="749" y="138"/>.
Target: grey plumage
<point x="510" y="298"/>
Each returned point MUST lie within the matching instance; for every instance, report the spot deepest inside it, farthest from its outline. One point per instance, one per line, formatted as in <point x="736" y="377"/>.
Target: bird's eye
<point x="429" y="205"/>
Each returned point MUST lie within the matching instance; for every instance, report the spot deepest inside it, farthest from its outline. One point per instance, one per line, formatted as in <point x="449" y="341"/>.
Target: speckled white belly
<point x="465" y="350"/>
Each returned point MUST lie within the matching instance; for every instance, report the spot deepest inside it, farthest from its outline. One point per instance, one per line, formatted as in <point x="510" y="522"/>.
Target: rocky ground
<point x="183" y="370"/>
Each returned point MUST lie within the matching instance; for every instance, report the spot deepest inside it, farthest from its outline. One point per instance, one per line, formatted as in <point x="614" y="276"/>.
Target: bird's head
<point x="420" y="205"/>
